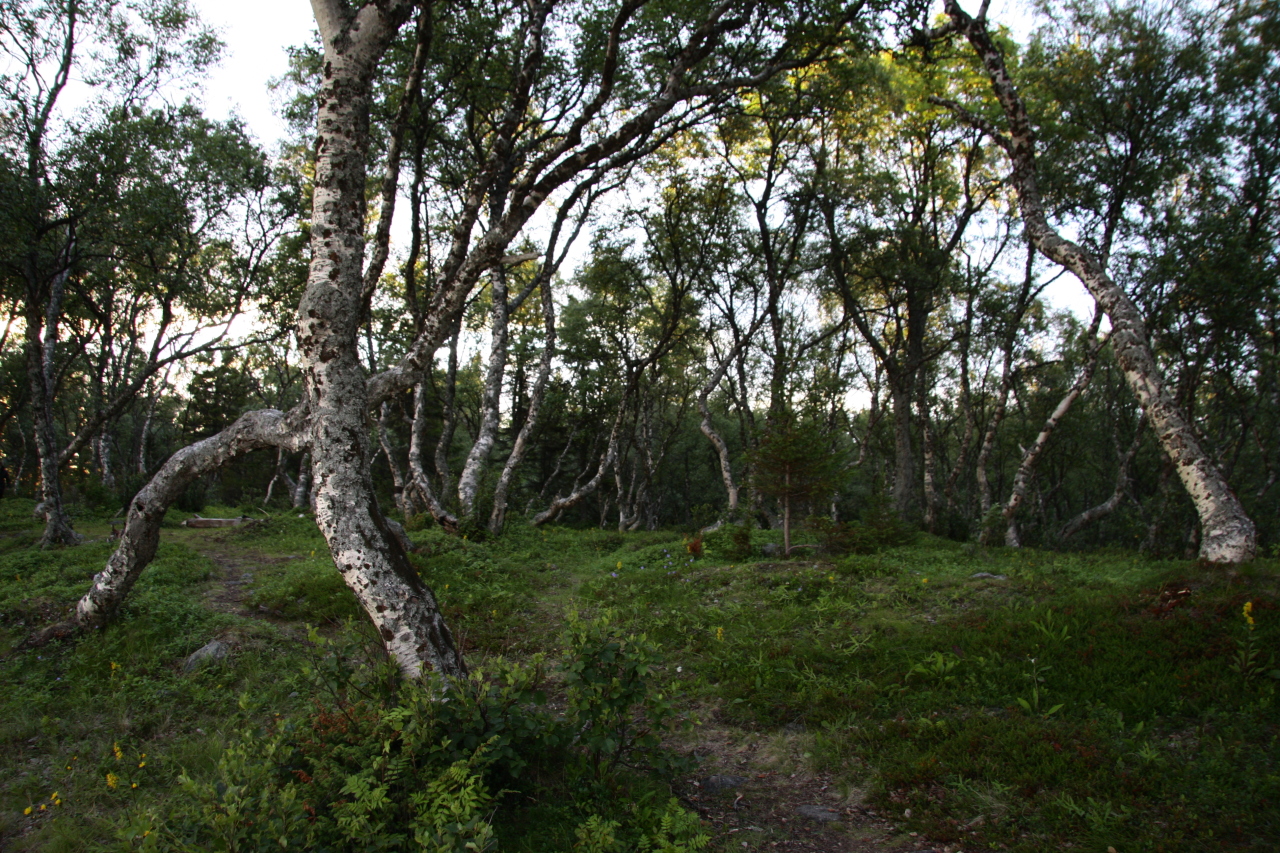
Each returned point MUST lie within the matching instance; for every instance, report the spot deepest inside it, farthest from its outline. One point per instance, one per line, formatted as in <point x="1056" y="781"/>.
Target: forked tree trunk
<point x="1228" y="534"/>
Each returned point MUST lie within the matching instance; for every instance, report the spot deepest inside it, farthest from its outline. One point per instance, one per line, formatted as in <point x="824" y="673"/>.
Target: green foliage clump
<point x="382" y="764"/>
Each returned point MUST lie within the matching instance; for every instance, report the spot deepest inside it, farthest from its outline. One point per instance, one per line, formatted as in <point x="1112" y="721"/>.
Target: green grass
<point x="1094" y="700"/>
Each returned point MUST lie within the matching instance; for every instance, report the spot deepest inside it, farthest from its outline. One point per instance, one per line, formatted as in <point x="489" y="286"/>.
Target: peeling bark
<point x="1228" y="533"/>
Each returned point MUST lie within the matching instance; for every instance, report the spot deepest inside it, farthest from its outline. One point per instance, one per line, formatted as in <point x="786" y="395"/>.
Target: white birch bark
<point x="141" y="533"/>
<point x="487" y="434"/>
<point x="1228" y="533"/>
<point x="369" y="556"/>
<point x="497" y="518"/>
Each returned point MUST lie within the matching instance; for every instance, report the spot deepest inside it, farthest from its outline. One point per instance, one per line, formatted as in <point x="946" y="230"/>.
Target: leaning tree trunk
<point x="1228" y="534"/>
<point x="141" y="534"/>
<point x="1100" y="511"/>
<point x="1027" y="467"/>
<point x="370" y="557"/>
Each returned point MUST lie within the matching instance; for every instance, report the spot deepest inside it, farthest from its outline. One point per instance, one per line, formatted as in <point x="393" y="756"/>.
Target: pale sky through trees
<point x="258" y="34"/>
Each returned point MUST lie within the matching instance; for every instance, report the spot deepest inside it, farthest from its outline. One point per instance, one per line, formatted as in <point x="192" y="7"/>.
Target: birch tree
<point x="1228" y="534"/>
<point x="641" y="75"/>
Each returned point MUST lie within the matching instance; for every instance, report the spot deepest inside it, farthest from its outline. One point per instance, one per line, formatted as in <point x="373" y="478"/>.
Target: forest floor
<point x="927" y="697"/>
<point x="751" y="792"/>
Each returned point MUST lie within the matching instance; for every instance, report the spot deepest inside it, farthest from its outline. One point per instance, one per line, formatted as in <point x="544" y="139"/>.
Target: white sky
<point x="257" y="34"/>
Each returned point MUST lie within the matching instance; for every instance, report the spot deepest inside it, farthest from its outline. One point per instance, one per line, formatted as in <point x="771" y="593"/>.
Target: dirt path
<point x="753" y="792"/>
<point x="749" y="788"/>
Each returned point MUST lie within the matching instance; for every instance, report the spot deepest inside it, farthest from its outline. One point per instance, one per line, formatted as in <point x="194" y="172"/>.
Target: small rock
<point x="722" y="782"/>
<point x="906" y="813"/>
<point x="214" y="651"/>
<point x="988" y="575"/>
<point x="822" y="814"/>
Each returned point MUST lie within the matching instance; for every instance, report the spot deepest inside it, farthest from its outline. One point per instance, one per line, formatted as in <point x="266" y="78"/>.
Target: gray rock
<point x="214" y="651"/>
<point x="822" y="814"/>
<point x="721" y="782"/>
<point x="988" y="575"/>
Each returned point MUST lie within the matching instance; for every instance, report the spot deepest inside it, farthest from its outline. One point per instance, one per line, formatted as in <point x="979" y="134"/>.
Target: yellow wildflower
<point x="27" y="810"/>
<point x="57" y="802"/>
<point x="720" y="634"/>
<point x="134" y="785"/>
<point x="1248" y="613"/>
<point x="118" y="751"/>
<point x="114" y="666"/>
<point x="42" y="807"/>
<point x="619" y="564"/>
<point x="54" y="795"/>
<point x="142" y="764"/>
<point x="112" y="780"/>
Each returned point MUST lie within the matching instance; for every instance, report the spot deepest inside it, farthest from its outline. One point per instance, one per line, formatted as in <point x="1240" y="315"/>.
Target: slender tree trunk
<point x="450" y="424"/>
<point x="1026" y="468"/>
<point x="497" y="518"/>
<point x="41" y="345"/>
<point x="404" y="502"/>
<point x="1228" y="534"/>
<point x="302" y="488"/>
<point x="417" y="470"/>
<point x="1100" y="511"/>
<point x="487" y="434"/>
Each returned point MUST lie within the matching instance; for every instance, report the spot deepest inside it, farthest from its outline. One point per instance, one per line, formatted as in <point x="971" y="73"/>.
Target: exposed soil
<point x="777" y="805"/>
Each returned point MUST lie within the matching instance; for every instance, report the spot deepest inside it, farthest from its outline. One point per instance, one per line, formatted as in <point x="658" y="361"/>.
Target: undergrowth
<point x="994" y="699"/>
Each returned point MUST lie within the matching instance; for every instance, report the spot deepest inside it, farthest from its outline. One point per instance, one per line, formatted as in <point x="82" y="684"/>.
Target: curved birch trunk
<point x="607" y="460"/>
<point x="487" y="435"/>
<point x="709" y="430"/>
<point x="141" y="533"/>
<point x="1228" y="533"/>
<point x="371" y="559"/>
<point x="1100" y="511"/>
<point x="498" y="518"/>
